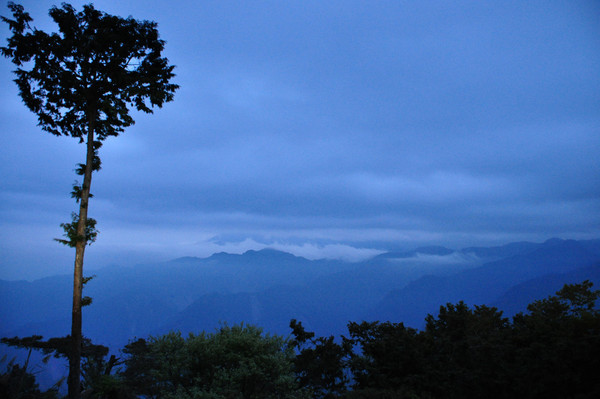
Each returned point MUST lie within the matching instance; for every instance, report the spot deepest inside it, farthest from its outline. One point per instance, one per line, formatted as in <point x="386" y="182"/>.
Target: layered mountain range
<point x="268" y="288"/>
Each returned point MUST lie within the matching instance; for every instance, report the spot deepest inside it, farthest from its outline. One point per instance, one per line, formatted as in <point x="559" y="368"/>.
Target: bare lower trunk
<point x="74" y="380"/>
<point x="76" y="336"/>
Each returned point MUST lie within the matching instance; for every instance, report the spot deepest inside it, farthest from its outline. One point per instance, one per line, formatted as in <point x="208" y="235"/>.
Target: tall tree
<point x="81" y="82"/>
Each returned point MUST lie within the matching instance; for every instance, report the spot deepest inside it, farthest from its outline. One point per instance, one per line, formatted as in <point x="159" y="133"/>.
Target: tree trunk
<point x="74" y="380"/>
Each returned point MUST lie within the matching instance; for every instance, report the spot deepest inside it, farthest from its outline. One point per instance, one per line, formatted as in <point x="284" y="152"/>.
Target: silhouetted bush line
<point x="550" y="351"/>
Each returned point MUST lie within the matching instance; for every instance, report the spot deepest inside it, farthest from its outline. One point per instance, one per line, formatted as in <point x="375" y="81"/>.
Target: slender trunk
<point x="74" y="380"/>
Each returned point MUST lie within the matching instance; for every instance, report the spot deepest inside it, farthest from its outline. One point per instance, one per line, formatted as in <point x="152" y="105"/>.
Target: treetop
<point x="93" y="70"/>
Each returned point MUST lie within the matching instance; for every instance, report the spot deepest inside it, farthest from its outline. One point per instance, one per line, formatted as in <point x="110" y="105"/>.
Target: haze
<point x="336" y="129"/>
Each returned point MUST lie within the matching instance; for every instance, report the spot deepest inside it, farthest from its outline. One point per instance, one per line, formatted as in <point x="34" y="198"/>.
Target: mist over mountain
<point x="269" y="287"/>
<point x="492" y="281"/>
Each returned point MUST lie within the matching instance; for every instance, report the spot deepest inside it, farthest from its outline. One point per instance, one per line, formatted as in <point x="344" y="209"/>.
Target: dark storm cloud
<point x="333" y="128"/>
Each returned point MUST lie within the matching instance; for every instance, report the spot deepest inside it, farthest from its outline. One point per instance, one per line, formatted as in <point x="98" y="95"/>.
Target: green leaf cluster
<point x="234" y="362"/>
<point x="71" y="232"/>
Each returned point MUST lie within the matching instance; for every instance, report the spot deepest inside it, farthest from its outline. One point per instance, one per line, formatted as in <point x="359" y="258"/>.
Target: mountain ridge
<point x="270" y="287"/>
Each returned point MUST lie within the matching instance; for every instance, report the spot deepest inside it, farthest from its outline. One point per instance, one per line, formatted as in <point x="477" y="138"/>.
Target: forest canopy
<point x="552" y="350"/>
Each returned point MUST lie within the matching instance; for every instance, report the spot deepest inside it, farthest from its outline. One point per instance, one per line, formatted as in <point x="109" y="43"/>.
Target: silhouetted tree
<point x="17" y="383"/>
<point x="551" y="351"/>
<point x="388" y="360"/>
<point x="320" y="363"/>
<point x="100" y="380"/>
<point x="61" y="347"/>
<point x="467" y="352"/>
<point x="81" y="82"/>
<point x="558" y="342"/>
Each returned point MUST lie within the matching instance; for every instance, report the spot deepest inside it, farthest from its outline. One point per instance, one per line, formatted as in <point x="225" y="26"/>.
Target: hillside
<point x="268" y="288"/>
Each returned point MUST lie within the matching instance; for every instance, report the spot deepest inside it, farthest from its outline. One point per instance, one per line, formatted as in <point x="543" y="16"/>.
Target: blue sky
<point x="327" y="129"/>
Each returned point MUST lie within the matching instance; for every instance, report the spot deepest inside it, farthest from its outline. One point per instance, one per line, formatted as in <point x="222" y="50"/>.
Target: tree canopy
<point x="96" y="67"/>
<point x="234" y="362"/>
<point x="550" y="351"/>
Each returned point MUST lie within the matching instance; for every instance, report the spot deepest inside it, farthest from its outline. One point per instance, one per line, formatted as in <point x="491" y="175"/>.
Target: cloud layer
<point x="328" y="129"/>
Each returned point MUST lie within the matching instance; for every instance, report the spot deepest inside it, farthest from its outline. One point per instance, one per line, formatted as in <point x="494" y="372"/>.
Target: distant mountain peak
<point x="269" y="252"/>
<point x="186" y="259"/>
<point x="554" y="241"/>
<point x="221" y="254"/>
<point x="429" y="250"/>
<point x="434" y="250"/>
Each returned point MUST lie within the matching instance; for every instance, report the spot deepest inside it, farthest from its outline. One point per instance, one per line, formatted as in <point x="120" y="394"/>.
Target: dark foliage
<point x="57" y="347"/>
<point x="388" y="359"/>
<point x="17" y="382"/>
<point x="98" y="378"/>
<point x="320" y="362"/>
<point x="97" y="61"/>
<point x="550" y="351"/>
<point x="558" y="345"/>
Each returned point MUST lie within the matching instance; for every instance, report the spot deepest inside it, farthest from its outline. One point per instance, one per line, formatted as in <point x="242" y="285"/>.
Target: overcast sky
<point x="327" y="129"/>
